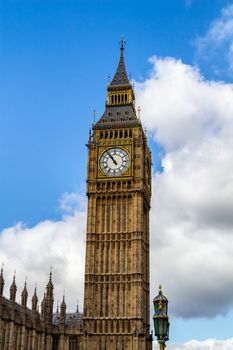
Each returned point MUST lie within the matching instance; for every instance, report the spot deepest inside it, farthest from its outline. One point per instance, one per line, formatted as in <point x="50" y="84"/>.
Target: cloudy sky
<point x="55" y="60"/>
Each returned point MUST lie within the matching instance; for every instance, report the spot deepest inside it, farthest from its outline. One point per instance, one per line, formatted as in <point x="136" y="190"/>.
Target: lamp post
<point x="161" y="320"/>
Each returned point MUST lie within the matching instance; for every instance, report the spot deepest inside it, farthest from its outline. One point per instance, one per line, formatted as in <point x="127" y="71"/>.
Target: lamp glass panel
<point x="156" y="306"/>
<point x="165" y="306"/>
<point x="168" y="326"/>
<point x="156" y="327"/>
<point x="161" y="327"/>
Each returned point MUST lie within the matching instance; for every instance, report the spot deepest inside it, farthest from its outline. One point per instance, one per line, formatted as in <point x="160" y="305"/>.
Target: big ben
<point x="116" y="291"/>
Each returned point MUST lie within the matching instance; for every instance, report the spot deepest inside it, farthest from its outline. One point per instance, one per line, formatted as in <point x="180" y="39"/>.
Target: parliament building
<point x="116" y="290"/>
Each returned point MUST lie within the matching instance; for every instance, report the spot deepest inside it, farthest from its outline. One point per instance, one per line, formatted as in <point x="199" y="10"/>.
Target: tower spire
<point x="120" y="78"/>
<point x="120" y="103"/>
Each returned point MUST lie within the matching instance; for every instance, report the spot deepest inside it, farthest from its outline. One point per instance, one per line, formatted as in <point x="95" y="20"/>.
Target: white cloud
<point x="192" y="207"/>
<point x="209" y="344"/>
<point x="216" y="45"/>
<point x="72" y="203"/>
<point x="34" y="250"/>
<point x="180" y="106"/>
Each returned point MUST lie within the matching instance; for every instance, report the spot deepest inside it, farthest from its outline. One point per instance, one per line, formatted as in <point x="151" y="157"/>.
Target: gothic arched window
<point x="55" y="342"/>
<point x="73" y="344"/>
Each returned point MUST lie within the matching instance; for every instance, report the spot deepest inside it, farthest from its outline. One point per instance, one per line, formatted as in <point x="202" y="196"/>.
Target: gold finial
<point x="160" y="288"/>
<point x="94" y="114"/>
<point x="160" y="305"/>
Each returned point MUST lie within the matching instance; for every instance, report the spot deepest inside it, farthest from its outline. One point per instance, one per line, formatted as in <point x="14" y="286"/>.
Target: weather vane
<point x="122" y="42"/>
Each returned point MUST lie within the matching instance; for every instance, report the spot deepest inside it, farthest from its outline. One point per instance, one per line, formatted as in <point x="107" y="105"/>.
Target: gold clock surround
<point x="103" y="149"/>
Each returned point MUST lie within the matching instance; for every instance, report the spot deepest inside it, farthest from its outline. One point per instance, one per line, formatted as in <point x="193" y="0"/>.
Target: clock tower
<point x="116" y="294"/>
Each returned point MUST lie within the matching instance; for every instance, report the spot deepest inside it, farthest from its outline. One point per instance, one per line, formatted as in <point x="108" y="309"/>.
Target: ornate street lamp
<point x="161" y="320"/>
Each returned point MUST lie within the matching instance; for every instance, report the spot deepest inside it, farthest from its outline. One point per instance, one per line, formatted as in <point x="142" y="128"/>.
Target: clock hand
<point x="112" y="158"/>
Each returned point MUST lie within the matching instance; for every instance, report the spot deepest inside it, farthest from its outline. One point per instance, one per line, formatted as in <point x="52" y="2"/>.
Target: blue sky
<point x="55" y="58"/>
<point x="55" y="61"/>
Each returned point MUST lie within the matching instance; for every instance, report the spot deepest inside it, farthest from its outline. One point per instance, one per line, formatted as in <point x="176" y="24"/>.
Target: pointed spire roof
<point x="25" y="292"/>
<point x="35" y="293"/>
<point x="120" y="78"/>
<point x="24" y="295"/>
<point x="1" y="276"/>
<point x="13" y="284"/>
<point x="13" y="290"/>
<point x="50" y="284"/>
<point x="77" y="309"/>
<point x="63" y="310"/>
<point x="120" y="103"/>
<point x="34" y="300"/>
<point x="63" y="304"/>
<point x="34" y="297"/>
<point x="2" y="282"/>
<point x="57" y="311"/>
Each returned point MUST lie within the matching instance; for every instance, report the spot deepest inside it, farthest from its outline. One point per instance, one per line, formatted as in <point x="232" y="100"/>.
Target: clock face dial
<point x="114" y="162"/>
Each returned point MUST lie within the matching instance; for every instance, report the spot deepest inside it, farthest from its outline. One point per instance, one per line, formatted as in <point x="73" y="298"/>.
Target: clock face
<point x="114" y="162"/>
